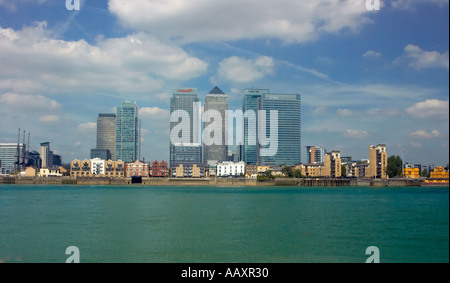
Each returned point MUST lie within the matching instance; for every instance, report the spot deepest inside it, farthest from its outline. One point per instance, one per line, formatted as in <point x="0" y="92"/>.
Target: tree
<point x="298" y="173"/>
<point x="394" y="167"/>
<point x="343" y="170"/>
<point x="287" y="171"/>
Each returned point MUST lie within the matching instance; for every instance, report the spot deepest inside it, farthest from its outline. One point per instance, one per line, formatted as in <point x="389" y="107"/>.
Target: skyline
<point x="365" y="77"/>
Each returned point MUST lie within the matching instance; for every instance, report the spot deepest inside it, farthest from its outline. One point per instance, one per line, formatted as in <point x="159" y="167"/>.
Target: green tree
<point x="343" y="170"/>
<point x="287" y="171"/>
<point x="298" y="173"/>
<point x="394" y="166"/>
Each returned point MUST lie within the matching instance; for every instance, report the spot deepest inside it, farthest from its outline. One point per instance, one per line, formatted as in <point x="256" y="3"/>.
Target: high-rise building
<point x="46" y="155"/>
<point x="216" y="105"/>
<point x="315" y="154"/>
<point x="8" y="157"/>
<point x="185" y="129"/>
<point x="377" y="162"/>
<point x="288" y="132"/>
<point x="128" y="128"/>
<point x="106" y="133"/>
<point x="250" y="102"/>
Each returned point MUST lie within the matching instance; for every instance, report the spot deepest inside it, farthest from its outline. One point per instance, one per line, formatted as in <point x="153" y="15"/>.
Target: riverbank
<point x="303" y="182"/>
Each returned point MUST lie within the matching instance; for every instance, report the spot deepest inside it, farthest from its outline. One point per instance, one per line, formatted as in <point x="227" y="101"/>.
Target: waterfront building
<point x="438" y="176"/>
<point x="97" y="167"/>
<point x="106" y="135"/>
<point x="46" y="155"/>
<point x="188" y="151"/>
<point x="46" y="173"/>
<point x="216" y="101"/>
<point x="251" y="171"/>
<point x="377" y="162"/>
<point x="262" y="169"/>
<point x="288" y="147"/>
<point x="332" y="164"/>
<point x="226" y="169"/>
<point x="315" y="154"/>
<point x="137" y="169"/>
<point x="8" y="157"/>
<point x="159" y="169"/>
<point x="115" y="169"/>
<point x="188" y="171"/>
<point x="80" y="168"/>
<point x="311" y="169"/>
<point x="30" y="171"/>
<point x="128" y="128"/>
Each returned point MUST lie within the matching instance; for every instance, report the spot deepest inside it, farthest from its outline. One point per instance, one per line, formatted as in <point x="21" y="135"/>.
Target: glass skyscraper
<point x="217" y="100"/>
<point x="288" y="108"/>
<point x="128" y="128"/>
<point x="106" y="133"/>
<point x="186" y="100"/>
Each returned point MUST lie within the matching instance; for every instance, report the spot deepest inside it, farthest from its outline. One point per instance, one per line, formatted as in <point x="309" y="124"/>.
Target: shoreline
<point x="229" y="182"/>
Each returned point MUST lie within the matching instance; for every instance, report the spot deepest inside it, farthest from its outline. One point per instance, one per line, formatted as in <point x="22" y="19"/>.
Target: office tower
<point x="287" y="133"/>
<point x="103" y="154"/>
<point x="250" y="102"/>
<point x="185" y="146"/>
<point x="217" y="105"/>
<point x="128" y="128"/>
<point x="106" y="134"/>
<point x="315" y="154"/>
<point x="46" y="155"/>
<point x="8" y="157"/>
<point x="377" y="162"/>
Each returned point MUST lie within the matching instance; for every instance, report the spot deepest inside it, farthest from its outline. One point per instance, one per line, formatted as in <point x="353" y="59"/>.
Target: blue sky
<point x="366" y="77"/>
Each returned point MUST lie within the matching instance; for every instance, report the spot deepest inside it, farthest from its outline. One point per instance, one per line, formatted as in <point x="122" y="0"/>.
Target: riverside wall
<point x="220" y="182"/>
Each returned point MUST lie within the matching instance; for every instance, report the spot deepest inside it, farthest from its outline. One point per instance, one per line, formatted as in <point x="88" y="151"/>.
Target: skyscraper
<point x="128" y="128"/>
<point x="106" y="133"/>
<point x="46" y="155"/>
<point x="216" y="104"/>
<point x="185" y="127"/>
<point x="287" y="133"/>
<point x="250" y="102"/>
<point x="8" y="157"/>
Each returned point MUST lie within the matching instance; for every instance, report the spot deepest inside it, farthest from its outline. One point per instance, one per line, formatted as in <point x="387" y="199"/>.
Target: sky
<point x="365" y="76"/>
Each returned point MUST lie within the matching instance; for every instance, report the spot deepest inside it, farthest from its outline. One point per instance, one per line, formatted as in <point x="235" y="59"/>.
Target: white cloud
<point x="218" y="20"/>
<point x="28" y="102"/>
<point x="372" y="53"/>
<point x="154" y="113"/>
<point x="430" y="108"/>
<point x="137" y="63"/>
<point x="356" y="134"/>
<point x="89" y="127"/>
<point x="425" y="135"/>
<point x="243" y="70"/>
<point x="420" y="59"/>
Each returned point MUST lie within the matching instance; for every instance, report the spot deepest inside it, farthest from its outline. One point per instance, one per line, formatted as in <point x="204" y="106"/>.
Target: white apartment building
<point x="97" y="166"/>
<point x="226" y="169"/>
